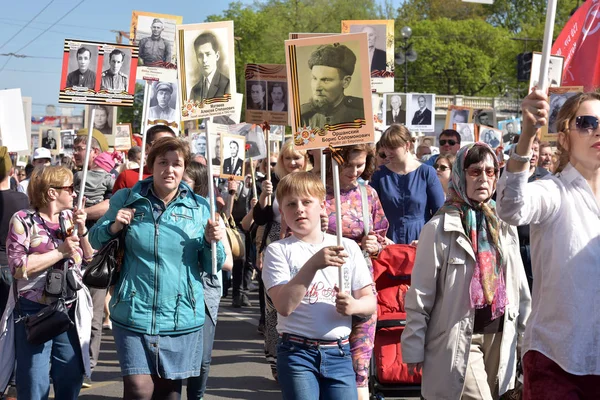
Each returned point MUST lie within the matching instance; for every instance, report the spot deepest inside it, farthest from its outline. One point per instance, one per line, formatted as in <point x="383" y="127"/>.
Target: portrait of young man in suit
<point x="233" y="164"/>
<point x="212" y="82"/>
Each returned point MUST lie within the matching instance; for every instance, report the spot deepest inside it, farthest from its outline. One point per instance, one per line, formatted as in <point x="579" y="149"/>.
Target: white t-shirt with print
<point x="315" y="317"/>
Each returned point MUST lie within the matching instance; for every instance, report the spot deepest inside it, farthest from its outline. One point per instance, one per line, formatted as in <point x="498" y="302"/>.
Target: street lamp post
<point x="407" y="55"/>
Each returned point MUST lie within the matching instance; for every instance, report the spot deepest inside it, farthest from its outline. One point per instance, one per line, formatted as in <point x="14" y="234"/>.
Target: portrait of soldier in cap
<point x="155" y="49"/>
<point x="163" y="92"/>
<point x="331" y="69"/>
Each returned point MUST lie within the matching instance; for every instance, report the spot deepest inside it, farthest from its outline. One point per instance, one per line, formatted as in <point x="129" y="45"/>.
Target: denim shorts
<point x="166" y="356"/>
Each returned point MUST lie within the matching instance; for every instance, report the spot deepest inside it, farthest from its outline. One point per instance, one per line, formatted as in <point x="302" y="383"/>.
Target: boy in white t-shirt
<point x="300" y="274"/>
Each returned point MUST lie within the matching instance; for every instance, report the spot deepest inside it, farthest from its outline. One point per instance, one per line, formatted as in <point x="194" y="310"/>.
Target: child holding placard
<point x="314" y="319"/>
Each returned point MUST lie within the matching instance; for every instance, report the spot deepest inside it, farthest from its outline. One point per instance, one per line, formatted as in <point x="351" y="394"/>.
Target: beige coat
<point x="439" y="315"/>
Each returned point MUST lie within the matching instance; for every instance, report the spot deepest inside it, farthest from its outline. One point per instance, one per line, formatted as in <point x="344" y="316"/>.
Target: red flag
<point x="579" y="44"/>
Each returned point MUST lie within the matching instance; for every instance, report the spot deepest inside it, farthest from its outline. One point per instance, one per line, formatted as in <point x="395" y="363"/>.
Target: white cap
<point x="41" y="152"/>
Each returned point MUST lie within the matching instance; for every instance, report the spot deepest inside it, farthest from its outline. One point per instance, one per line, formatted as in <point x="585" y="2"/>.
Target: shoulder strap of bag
<point x="365" y="207"/>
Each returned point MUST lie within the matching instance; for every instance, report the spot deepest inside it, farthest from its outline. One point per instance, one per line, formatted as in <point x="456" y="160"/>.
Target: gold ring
<point x="539" y="112"/>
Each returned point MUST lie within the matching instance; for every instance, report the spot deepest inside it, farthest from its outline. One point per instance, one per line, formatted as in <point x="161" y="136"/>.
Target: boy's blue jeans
<point x="308" y="372"/>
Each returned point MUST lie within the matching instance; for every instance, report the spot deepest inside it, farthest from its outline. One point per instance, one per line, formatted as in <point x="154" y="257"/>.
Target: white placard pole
<point x="86" y="161"/>
<point x="323" y="159"/>
<point x="342" y="284"/>
<point x="547" y="46"/>
<point x="143" y="130"/>
<point x="211" y="193"/>
<point x="267" y="134"/>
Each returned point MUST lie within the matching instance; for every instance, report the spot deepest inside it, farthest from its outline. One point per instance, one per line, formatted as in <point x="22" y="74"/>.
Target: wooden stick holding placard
<point x="211" y="194"/>
<point x="143" y="126"/>
<point x="323" y="158"/>
<point x="253" y="174"/>
<point x="343" y="283"/>
<point x="267" y="130"/>
<point x="86" y="161"/>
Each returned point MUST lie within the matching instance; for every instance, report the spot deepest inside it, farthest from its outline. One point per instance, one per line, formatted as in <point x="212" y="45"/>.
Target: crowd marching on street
<point x="384" y="267"/>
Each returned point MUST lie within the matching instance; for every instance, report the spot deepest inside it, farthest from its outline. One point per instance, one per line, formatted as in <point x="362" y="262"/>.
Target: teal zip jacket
<point x="159" y="291"/>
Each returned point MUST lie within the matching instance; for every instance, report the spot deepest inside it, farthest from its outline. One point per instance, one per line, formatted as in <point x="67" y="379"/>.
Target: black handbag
<point x="48" y="323"/>
<point x="103" y="271"/>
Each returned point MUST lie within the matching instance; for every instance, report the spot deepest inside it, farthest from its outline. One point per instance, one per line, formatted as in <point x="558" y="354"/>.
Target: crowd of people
<point x="502" y="282"/>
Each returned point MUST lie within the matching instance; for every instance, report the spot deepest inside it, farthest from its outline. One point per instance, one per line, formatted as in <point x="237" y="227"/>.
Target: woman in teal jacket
<point x="158" y="306"/>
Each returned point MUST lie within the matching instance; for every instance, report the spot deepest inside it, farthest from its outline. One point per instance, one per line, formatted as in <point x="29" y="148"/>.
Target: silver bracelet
<point x="520" y="158"/>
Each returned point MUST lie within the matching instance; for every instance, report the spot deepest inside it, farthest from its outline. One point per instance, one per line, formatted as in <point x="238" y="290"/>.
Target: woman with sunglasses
<point x="40" y="240"/>
<point x="468" y="300"/>
<point x="408" y="190"/>
<point x="443" y="167"/>
<point x="560" y="346"/>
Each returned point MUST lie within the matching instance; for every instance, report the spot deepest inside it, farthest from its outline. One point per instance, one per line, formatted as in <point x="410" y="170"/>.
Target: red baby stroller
<point x="389" y="375"/>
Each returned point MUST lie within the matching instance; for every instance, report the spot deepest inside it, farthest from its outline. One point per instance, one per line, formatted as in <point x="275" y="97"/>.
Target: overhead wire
<point x="27" y="24"/>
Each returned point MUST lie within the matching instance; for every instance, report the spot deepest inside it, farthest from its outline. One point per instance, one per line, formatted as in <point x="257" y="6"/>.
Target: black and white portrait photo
<point x="82" y="67"/>
<point x="483" y="116"/>
<point x="466" y="131"/>
<point x="510" y="128"/>
<point x="493" y="137"/>
<point x="104" y="118"/>
<point x="376" y="36"/>
<point x="277" y="96"/>
<point x="122" y="137"/>
<point x="155" y="36"/>
<point x="255" y="138"/>
<point x="555" y="71"/>
<point x="232" y="156"/>
<point x="330" y="90"/>
<point x="162" y="103"/>
<point x="457" y="115"/>
<point x="256" y="96"/>
<point x="395" y="108"/>
<point x="67" y="137"/>
<point x="49" y="137"/>
<point x="419" y="113"/>
<point x="198" y="143"/>
<point x="558" y="96"/>
<point x="115" y="70"/>
<point x="329" y="93"/>
<point x="206" y="68"/>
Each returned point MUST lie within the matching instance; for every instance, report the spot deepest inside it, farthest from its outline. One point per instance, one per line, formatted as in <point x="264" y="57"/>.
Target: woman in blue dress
<point x="409" y="191"/>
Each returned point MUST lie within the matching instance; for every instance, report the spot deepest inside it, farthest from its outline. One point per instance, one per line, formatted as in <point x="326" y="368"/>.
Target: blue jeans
<point x="315" y="372"/>
<point x="61" y="355"/>
<point x="196" y="385"/>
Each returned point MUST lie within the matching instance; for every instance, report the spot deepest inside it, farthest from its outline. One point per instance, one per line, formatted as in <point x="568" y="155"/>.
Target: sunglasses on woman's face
<point x="450" y="142"/>
<point x="586" y="124"/>
<point x="273" y="164"/>
<point x="441" y="167"/>
<point x="476" y="172"/>
<point x="382" y="155"/>
<point x="70" y="189"/>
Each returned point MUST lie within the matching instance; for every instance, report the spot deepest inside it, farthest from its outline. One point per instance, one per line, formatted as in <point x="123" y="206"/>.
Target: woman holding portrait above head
<point x="359" y="200"/>
<point x="40" y="241"/>
<point x="468" y="300"/>
<point x="443" y="167"/>
<point x="158" y="304"/>
<point x="560" y="358"/>
<point x="408" y="190"/>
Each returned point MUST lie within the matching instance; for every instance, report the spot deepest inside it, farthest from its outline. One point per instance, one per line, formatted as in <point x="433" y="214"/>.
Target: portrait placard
<point x="491" y="136"/>
<point x="161" y="106"/>
<point x="189" y="127"/>
<point x="510" y="128"/>
<point x="380" y="35"/>
<point x="483" y="116"/>
<point x="330" y="91"/>
<point x="457" y="115"/>
<point x="67" y="139"/>
<point x="426" y="141"/>
<point x="419" y="114"/>
<point x="98" y="73"/>
<point x="555" y="70"/>
<point x="105" y="120"/>
<point x="154" y="34"/>
<point x="467" y="132"/>
<point x="13" y="127"/>
<point x="198" y="143"/>
<point x="232" y="154"/>
<point x="49" y="138"/>
<point x="123" y="137"/>
<point x="255" y="139"/>
<point x="394" y="108"/>
<point x="206" y="67"/>
<point x="558" y="96"/>
<point x="266" y="94"/>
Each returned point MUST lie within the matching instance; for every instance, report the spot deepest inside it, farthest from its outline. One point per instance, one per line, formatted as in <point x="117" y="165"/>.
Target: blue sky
<point x="39" y="78"/>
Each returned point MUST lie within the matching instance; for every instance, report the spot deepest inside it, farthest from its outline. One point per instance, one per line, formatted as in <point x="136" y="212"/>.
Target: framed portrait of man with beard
<point x="330" y="91"/>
